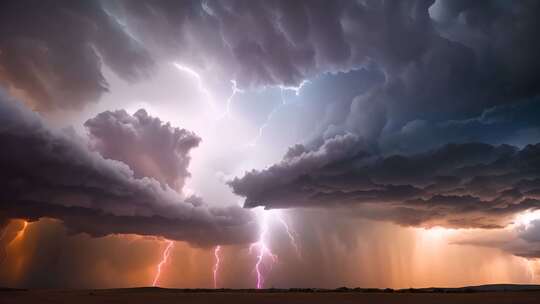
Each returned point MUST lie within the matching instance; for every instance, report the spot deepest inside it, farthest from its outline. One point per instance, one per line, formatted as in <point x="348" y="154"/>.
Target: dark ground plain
<point x="482" y="295"/>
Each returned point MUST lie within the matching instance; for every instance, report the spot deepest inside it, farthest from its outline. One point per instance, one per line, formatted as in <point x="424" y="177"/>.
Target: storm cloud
<point x="48" y="173"/>
<point x="52" y="52"/>
<point x="452" y="52"/>
<point x="458" y="185"/>
<point x="150" y="148"/>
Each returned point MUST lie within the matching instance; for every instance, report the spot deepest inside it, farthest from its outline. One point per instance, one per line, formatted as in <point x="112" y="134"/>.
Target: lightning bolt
<point x="200" y="85"/>
<point x="262" y="250"/>
<point x="206" y="92"/>
<point x="290" y="233"/>
<point x="235" y="90"/>
<point x="296" y="91"/>
<point x="164" y="259"/>
<point x="217" y="250"/>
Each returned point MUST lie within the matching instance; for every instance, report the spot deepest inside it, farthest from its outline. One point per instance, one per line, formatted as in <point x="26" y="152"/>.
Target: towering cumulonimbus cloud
<point x="47" y="173"/>
<point x="148" y="146"/>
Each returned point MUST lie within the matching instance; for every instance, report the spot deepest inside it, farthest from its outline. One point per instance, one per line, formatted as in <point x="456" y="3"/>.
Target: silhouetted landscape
<point x="503" y="293"/>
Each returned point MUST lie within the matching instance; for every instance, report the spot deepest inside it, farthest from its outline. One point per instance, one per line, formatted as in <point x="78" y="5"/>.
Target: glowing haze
<point x="259" y="144"/>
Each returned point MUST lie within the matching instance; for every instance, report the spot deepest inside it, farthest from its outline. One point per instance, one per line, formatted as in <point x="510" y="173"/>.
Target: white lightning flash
<point x="235" y="89"/>
<point x="200" y="85"/>
<point x="282" y="88"/>
<point x="206" y="92"/>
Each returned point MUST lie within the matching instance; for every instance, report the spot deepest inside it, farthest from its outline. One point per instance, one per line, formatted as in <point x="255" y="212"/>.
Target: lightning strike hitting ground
<point x="216" y="264"/>
<point x="262" y="250"/>
<point x="164" y="259"/>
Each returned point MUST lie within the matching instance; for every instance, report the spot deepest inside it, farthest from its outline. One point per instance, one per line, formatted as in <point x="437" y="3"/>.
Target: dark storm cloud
<point x="149" y="146"/>
<point x="281" y="42"/>
<point x="457" y="185"/>
<point x="451" y="52"/>
<point x="53" y="51"/>
<point x="53" y="174"/>
<point x="514" y="123"/>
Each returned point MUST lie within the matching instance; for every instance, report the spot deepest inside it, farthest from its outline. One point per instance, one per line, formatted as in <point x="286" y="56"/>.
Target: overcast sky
<point x="363" y="143"/>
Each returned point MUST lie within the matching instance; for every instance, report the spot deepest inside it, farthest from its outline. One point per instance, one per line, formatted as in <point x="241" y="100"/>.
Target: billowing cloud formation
<point x="457" y="185"/>
<point x="148" y="146"/>
<point x="465" y="52"/>
<point x="53" y="174"/>
<point x="53" y="51"/>
<point x="520" y="238"/>
<point x="450" y="77"/>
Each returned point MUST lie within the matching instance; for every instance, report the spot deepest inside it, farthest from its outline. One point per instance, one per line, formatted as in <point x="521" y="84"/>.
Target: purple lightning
<point x="263" y="250"/>
<point x="164" y="259"/>
<point x="217" y="250"/>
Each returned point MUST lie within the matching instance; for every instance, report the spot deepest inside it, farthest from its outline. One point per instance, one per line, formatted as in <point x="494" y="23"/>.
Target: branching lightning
<point x="200" y="85"/>
<point x="290" y="233"/>
<point x="206" y="92"/>
<point x="235" y="90"/>
<point x="263" y="250"/>
<point x="261" y="246"/>
<point x="296" y="90"/>
<point x="164" y="259"/>
<point x="217" y="262"/>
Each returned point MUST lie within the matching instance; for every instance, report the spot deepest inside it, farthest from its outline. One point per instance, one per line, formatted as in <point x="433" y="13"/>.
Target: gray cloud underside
<point x="457" y="185"/>
<point x="46" y="173"/>
<point x="453" y="52"/>
<point x="522" y="239"/>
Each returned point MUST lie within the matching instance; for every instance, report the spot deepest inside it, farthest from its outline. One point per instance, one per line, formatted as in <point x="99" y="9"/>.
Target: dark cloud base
<point x="458" y="185"/>
<point x="47" y="173"/>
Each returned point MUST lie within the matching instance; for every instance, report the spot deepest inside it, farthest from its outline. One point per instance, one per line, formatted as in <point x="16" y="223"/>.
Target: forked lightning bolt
<point x="235" y="89"/>
<point x="263" y="251"/>
<point x="206" y="92"/>
<point x="200" y="85"/>
<point x="289" y="232"/>
<point x="164" y="259"/>
<point x="296" y="90"/>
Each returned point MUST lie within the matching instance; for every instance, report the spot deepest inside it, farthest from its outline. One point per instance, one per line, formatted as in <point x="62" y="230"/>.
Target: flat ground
<point x="134" y="296"/>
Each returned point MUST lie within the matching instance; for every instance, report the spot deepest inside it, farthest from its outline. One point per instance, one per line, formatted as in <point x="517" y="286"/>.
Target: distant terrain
<point x="474" y="294"/>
